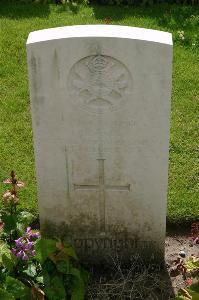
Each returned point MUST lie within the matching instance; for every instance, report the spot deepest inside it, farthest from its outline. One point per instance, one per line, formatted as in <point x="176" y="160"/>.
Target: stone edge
<point x="109" y="31"/>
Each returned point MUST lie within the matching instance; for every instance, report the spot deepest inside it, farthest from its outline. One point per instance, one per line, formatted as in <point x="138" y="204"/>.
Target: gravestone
<point x="100" y="99"/>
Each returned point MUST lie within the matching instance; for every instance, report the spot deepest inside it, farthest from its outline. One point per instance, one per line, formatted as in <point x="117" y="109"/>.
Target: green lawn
<point x="16" y="151"/>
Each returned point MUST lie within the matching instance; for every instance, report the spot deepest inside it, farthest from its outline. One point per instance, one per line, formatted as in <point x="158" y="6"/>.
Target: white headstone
<point x="100" y="97"/>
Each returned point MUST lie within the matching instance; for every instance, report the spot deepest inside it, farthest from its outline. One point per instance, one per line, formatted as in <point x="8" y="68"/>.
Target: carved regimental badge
<point x="99" y="83"/>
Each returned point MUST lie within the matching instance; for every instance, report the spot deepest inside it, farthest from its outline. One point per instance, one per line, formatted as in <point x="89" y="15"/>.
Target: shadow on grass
<point x="14" y="10"/>
<point x="166" y="15"/>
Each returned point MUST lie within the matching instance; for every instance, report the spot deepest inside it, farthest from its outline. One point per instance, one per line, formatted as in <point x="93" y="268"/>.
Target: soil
<point x="143" y="282"/>
<point x="138" y="281"/>
<point x="173" y="245"/>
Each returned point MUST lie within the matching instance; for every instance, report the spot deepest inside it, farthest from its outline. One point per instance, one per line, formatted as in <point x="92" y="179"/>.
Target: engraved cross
<point x="101" y="187"/>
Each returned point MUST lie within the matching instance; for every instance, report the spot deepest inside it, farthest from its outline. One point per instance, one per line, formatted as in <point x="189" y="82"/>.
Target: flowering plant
<point x="32" y="267"/>
<point x="24" y="246"/>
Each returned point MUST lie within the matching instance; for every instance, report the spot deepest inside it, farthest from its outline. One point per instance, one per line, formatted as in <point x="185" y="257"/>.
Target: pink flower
<point x="10" y="197"/>
<point x="18" y="183"/>
<point x="189" y="281"/>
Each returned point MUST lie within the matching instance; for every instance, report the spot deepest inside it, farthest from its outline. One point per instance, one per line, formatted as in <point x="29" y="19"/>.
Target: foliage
<point x="191" y="293"/>
<point x="57" y="2"/>
<point x="112" y="2"/>
<point x="189" y="268"/>
<point x="32" y="267"/>
<point x="192" y="264"/>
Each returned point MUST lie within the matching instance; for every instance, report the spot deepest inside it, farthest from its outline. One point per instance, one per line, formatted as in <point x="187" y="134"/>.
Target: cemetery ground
<point x="17" y="20"/>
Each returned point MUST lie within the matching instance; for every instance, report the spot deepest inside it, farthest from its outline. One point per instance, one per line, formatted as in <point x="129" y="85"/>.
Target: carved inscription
<point x="114" y="244"/>
<point x="101" y="187"/>
<point x="99" y="83"/>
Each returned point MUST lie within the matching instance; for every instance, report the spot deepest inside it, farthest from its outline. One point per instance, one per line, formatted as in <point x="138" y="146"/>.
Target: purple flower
<point x="33" y="253"/>
<point x="19" y="242"/>
<point x="36" y="235"/>
<point x="32" y="234"/>
<point x="28" y="230"/>
<point x="14" y="251"/>
<point x="25" y="256"/>
<point x="28" y="246"/>
<point x="24" y="246"/>
<point x="18" y="254"/>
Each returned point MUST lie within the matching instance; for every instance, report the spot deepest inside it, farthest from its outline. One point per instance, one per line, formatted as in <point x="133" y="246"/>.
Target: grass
<point x="16" y="150"/>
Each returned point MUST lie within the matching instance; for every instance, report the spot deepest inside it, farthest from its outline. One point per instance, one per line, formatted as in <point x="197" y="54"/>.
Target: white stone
<point x="100" y="97"/>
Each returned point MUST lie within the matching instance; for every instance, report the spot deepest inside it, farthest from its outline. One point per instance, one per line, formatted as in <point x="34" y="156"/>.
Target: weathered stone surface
<point x="100" y="97"/>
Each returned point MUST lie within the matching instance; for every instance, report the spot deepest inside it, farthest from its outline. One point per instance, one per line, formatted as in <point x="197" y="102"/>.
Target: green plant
<point x="13" y="222"/>
<point x="63" y="276"/>
<point x="32" y="267"/>
<point x="191" y="293"/>
<point x="189" y="270"/>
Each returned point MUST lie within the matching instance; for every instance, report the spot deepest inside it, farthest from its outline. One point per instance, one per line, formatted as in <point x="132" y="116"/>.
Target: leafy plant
<point x="192" y="265"/>
<point x="191" y="293"/>
<point x="32" y="267"/>
<point x="189" y="268"/>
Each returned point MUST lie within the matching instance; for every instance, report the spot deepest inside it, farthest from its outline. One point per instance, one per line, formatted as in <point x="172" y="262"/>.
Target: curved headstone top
<point x="100" y="103"/>
<point x="115" y="31"/>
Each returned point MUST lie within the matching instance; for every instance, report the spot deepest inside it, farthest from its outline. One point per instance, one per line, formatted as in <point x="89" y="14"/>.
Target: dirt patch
<point x="173" y="246"/>
<point x="139" y="281"/>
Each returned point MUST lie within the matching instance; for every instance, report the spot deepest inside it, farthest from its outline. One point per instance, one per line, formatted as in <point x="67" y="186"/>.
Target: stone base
<point x="107" y="247"/>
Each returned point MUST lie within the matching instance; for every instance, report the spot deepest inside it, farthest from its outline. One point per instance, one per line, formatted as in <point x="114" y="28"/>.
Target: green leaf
<point x="10" y="222"/>
<point x="55" y="290"/>
<point x="64" y="252"/>
<point x="24" y="219"/>
<point x="7" y="259"/>
<point x="4" y="295"/>
<point x="46" y="277"/>
<point x="30" y="271"/>
<point x="195" y="288"/>
<point x="44" y="247"/>
<point x="189" y="293"/>
<point x="40" y="279"/>
<point x="85" y="275"/>
<point x="78" y="288"/>
<point x="71" y="251"/>
<point x="75" y="272"/>
<point x="3" y="249"/>
<point x="192" y="264"/>
<point x="49" y="266"/>
<point x="63" y="266"/>
<point x="17" y="288"/>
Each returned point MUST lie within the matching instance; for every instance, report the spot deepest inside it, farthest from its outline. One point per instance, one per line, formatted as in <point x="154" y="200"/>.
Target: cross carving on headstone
<point x="101" y="187"/>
